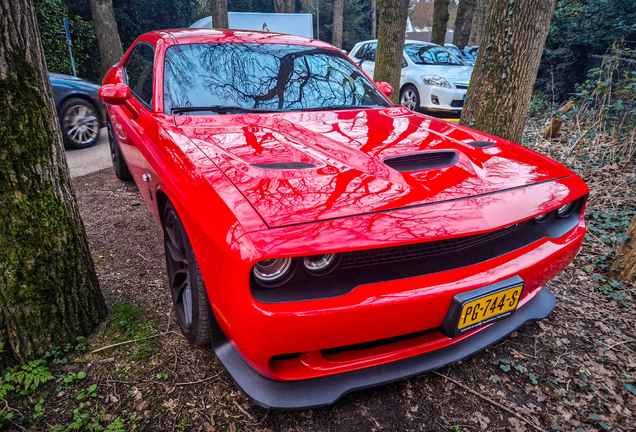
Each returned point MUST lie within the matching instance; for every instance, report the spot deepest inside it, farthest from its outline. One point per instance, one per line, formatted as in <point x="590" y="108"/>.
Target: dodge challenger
<point x="322" y="239"/>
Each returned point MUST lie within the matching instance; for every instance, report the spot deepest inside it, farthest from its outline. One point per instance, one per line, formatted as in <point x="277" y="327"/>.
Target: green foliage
<point x="539" y="105"/>
<point x="50" y="14"/>
<point x="116" y="426"/>
<point x="72" y="377"/>
<point x="579" y="30"/>
<point x="136" y="17"/>
<point x="89" y="392"/>
<point x="28" y="376"/>
<point x="82" y="422"/>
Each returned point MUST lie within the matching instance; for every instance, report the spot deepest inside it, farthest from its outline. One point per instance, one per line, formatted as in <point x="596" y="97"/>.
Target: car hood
<point x="333" y="161"/>
<point x="460" y="74"/>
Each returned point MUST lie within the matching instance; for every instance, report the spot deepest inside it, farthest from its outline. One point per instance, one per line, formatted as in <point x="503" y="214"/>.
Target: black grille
<point x="422" y="161"/>
<point x="461" y="86"/>
<point x="421" y="250"/>
<point x="284" y="165"/>
<point x="369" y="266"/>
<point x="457" y="104"/>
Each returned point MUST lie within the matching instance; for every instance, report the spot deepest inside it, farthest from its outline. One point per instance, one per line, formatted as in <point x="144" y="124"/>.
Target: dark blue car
<point x="80" y="111"/>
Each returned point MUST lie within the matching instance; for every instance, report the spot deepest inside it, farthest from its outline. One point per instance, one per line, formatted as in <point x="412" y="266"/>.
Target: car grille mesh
<point x="457" y="103"/>
<point x="420" y="250"/>
<point x="422" y="161"/>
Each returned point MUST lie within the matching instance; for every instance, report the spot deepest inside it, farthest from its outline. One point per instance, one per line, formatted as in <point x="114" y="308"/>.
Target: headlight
<point x="542" y="218"/>
<point x="566" y="210"/>
<point x="320" y="265"/>
<point x="436" y="81"/>
<point x="273" y="272"/>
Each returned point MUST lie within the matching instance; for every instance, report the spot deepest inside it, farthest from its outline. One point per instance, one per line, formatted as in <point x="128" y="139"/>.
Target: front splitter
<point x="318" y="392"/>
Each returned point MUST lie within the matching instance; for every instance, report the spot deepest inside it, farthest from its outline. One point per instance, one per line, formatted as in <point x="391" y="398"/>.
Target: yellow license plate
<point x="489" y="306"/>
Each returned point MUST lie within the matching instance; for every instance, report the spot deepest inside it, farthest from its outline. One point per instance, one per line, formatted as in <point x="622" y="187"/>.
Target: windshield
<point x="454" y="50"/>
<point x="228" y="77"/>
<point x="431" y="55"/>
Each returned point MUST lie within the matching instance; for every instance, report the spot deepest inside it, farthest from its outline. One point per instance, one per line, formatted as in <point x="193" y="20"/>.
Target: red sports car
<point x="321" y="238"/>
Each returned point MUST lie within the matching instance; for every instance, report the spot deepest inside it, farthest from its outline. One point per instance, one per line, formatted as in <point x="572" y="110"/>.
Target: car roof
<point x="406" y="42"/>
<point x="192" y="36"/>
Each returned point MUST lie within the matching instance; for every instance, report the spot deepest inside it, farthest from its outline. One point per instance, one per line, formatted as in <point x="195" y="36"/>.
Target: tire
<point x="119" y="164"/>
<point x="189" y="297"/>
<point x="410" y="97"/>
<point x="79" y="120"/>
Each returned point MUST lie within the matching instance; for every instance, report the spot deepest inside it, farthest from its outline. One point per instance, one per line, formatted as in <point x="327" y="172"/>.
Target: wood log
<point x="566" y="108"/>
<point x="624" y="266"/>
<point x="554" y="129"/>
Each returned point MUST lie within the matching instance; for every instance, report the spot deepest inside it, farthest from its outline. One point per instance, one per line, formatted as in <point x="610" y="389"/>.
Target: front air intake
<point x="422" y="161"/>
<point x="284" y="165"/>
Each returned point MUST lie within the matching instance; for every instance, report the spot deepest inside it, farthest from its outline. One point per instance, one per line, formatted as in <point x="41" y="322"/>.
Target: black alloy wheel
<point x="119" y="164"/>
<point x="189" y="297"/>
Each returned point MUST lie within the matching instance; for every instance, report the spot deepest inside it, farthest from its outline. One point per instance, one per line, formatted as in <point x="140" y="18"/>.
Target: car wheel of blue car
<point x="189" y="297"/>
<point x="119" y="164"/>
<point x="80" y="123"/>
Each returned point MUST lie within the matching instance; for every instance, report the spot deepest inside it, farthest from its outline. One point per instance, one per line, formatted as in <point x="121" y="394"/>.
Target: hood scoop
<point x="283" y="165"/>
<point x="422" y="161"/>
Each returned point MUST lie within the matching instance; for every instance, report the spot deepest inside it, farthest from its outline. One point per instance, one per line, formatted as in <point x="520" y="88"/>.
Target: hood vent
<point x="284" y="165"/>
<point x="422" y="161"/>
<point x="481" y="144"/>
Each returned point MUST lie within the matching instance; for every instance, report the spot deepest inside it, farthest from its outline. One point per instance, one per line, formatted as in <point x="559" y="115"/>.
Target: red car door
<point x="133" y="119"/>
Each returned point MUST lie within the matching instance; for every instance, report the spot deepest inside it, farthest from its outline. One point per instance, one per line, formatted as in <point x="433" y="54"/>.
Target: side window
<point x="372" y="48"/>
<point x="362" y="52"/>
<point x="404" y="63"/>
<point x="138" y="72"/>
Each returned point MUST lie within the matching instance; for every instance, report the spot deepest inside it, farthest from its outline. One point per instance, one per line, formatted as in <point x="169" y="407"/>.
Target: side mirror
<point x="114" y="94"/>
<point x="385" y="88"/>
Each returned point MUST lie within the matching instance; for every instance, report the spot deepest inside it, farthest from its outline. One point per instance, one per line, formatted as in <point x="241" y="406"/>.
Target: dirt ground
<point x="574" y="371"/>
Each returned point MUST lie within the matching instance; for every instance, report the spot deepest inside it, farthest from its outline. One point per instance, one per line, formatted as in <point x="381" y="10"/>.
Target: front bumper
<point x="449" y="99"/>
<point x="324" y="391"/>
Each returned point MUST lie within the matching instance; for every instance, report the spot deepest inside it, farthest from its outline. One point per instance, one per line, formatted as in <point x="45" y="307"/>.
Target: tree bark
<point x="218" y="10"/>
<point x="336" y="33"/>
<point x="110" y="50"/>
<point x="388" y="59"/>
<point x="440" y="21"/>
<point x="283" y="6"/>
<point x="464" y="22"/>
<point x="477" y="27"/>
<point x="49" y="292"/>
<point x="624" y="266"/>
<point x="501" y="85"/>
<point x="374" y="19"/>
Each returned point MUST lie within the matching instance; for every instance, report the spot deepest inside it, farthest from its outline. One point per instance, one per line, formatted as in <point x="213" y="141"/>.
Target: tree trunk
<point x="219" y="14"/>
<point x="477" y="27"/>
<point x="464" y="22"/>
<point x="283" y="6"/>
<point x="624" y="266"/>
<point x="501" y="85"/>
<point x="336" y="34"/>
<point x="374" y="19"/>
<point x="440" y="21"/>
<point x="110" y="50"/>
<point x="388" y="59"/>
<point x="49" y="292"/>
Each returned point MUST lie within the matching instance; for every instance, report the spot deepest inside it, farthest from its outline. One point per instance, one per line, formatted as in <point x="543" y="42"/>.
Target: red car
<point x="321" y="238"/>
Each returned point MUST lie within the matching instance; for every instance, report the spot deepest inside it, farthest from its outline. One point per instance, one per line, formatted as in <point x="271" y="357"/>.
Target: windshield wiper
<point x="338" y="107"/>
<point x="222" y="109"/>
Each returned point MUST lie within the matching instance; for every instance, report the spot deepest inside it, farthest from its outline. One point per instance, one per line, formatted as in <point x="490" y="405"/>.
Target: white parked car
<point x="432" y="77"/>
